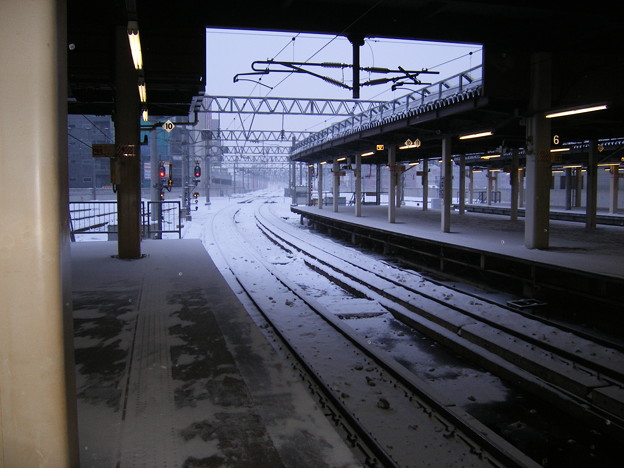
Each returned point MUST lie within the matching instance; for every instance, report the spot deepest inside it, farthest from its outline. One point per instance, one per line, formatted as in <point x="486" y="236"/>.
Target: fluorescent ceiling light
<point x="341" y="159"/>
<point x="135" y="44"/>
<point x="559" y="150"/>
<point x="572" y="166"/>
<point x="490" y="156"/>
<point x="367" y="154"/>
<point x="142" y="92"/>
<point x="323" y="162"/>
<point x="475" y="135"/>
<point x="145" y="115"/>
<point x="414" y="164"/>
<point x="580" y="110"/>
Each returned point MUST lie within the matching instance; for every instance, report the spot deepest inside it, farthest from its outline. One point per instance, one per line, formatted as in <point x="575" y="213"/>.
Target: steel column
<point x="538" y="164"/>
<point x="392" y="184"/>
<point x="127" y="132"/>
<point x="447" y="177"/>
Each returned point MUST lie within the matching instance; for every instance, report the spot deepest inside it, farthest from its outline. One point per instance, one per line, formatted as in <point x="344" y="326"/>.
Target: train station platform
<point x="172" y="371"/>
<point x="581" y="262"/>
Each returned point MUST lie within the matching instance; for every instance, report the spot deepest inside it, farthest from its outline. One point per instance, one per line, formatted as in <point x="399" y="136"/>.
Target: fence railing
<point x="99" y="218"/>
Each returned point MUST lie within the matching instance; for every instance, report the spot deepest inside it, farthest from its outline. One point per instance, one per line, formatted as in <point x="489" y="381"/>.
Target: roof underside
<point x="587" y="54"/>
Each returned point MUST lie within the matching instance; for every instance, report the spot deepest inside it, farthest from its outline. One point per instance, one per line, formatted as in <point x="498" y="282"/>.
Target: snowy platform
<point x="172" y="371"/>
<point x="599" y="251"/>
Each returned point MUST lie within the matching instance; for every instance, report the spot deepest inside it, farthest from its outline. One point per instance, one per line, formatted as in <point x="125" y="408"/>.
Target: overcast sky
<point x="230" y="52"/>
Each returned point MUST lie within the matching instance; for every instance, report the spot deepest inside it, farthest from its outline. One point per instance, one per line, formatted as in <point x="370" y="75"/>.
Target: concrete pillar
<point x="127" y="132"/>
<point x="37" y="389"/>
<point x="488" y="193"/>
<point x="513" y="180"/>
<point x="309" y="184"/>
<point x="521" y="175"/>
<point x="538" y="165"/>
<point x="462" y="184"/>
<point x="425" y="184"/>
<point x="592" y="187"/>
<point x="578" y="189"/>
<point x="399" y="185"/>
<point x="471" y="187"/>
<point x="613" y="189"/>
<point x="392" y="178"/>
<point x="378" y="184"/>
<point x="319" y="185"/>
<point x="447" y="192"/>
<point x="358" y="185"/>
<point x="336" y="188"/>
<point x="568" y="188"/>
<point x="293" y="183"/>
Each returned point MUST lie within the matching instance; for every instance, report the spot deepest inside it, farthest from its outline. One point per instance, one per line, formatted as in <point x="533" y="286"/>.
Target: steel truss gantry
<point x="255" y="135"/>
<point x="282" y="105"/>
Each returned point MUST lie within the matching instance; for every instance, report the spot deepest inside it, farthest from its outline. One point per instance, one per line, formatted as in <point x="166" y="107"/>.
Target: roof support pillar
<point x="447" y="188"/>
<point x="592" y="187"/>
<point x="514" y="180"/>
<point x="613" y="189"/>
<point x="462" y="184"/>
<point x="358" y="185"/>
<point x="319" y="185"/>
<point x="538" y="163"/>
<point x="336" y="187"/>
<point x="127" y="133"/>
<point x="392" y="183"/>
<point x="38" y="423"/>
<point x="425" y="184"/>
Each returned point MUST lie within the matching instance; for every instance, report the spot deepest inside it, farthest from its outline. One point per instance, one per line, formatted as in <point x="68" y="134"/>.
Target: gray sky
<point x="230" y="52"/>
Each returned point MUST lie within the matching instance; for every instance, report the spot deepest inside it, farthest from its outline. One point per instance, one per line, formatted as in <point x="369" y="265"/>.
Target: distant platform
<point x="578" y="263"/>
<point x="172" y="370"/>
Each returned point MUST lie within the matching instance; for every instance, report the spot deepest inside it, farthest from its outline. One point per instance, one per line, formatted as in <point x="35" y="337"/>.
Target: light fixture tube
<point x="580" y="110"/>
<point x="490" y="156"/>
<point x="367" y="154"/>
<point x="135" y="44"/>
<point x="475" y="135"/>
<point x="142" y="92"/>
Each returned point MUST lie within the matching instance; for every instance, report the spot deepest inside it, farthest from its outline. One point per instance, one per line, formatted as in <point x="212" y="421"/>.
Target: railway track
<point x="390" y="416"/>
<point x="581" y="377"/>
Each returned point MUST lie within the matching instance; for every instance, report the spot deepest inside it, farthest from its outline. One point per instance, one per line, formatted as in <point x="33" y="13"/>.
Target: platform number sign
<point x="556" y="140"/>
<point x="168" y="126"/>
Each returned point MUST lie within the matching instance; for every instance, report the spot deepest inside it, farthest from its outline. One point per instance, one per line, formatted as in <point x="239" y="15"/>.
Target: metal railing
<point x="162" y="217"/>
<point x="457" y="88"/>
<point x="99" y="218"/>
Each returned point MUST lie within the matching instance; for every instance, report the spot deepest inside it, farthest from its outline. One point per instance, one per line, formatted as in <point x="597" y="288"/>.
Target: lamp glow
<point x="367" y="154"/>
<point x="490" y="156"/>
<point x="145" y="115"/>
<point x="135" y="44"/>
<point x="475" y="135"/>
<point x="142" y="92"/>
<point x="581" y="110"/>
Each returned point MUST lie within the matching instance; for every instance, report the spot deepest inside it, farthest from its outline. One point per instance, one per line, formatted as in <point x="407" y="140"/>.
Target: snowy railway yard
<point x="480" y="374"/>
<point x="410" y="370"/>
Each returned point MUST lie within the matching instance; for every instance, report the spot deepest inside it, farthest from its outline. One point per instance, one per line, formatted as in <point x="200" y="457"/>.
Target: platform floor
<point x="571" y="245"/>
<point x="173" y="372"/>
